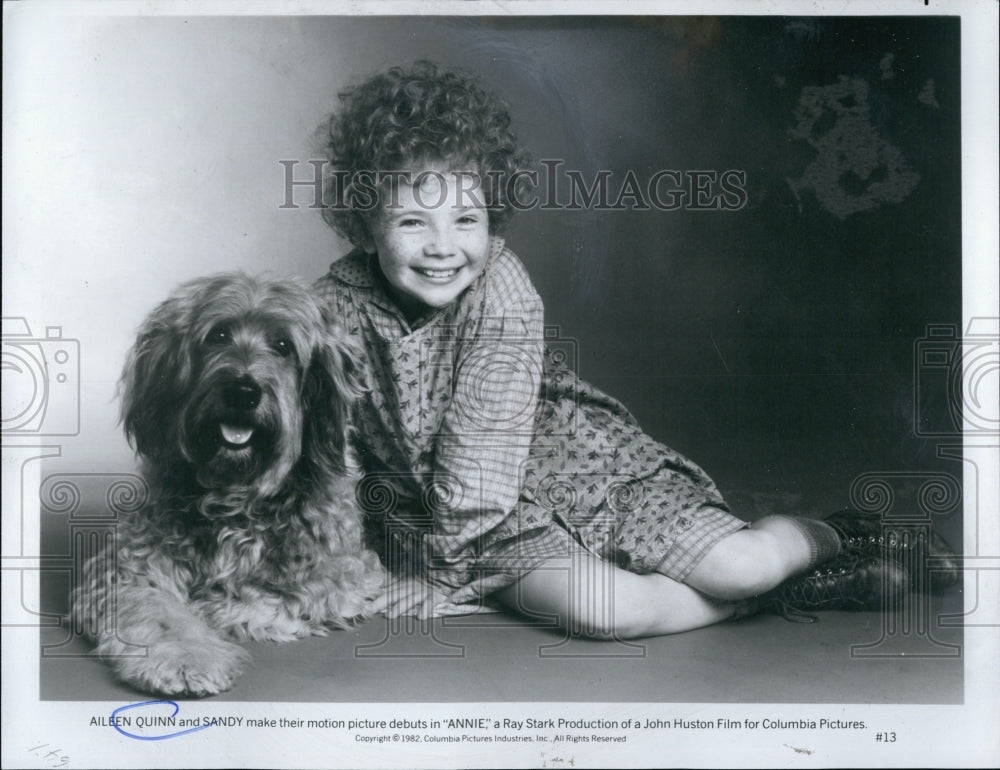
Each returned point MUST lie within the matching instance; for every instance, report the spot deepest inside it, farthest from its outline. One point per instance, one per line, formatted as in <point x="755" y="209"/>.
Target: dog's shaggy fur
<point x="236" y="397"/>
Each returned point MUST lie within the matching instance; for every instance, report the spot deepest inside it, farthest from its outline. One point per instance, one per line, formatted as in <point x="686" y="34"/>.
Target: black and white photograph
<point x="475" y="384"/>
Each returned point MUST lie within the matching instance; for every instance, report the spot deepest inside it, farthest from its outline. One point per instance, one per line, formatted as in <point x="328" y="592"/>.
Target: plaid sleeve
<point x="486" y="434"/>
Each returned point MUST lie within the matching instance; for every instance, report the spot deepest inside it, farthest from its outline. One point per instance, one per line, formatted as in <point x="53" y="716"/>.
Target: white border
<point x="928" y="736"/>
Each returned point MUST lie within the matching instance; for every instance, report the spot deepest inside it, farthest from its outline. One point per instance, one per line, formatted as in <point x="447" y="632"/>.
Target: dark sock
<point x="824" y="542"/>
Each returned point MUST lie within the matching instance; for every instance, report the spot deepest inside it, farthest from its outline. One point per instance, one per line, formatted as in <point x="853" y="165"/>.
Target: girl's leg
<point x="749" y="562"/>
<point x="594" y="598"/>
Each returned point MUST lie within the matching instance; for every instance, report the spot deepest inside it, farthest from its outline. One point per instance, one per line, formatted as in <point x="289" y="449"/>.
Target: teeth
<point x="439" y="273"/>
<point x="234" y="435"/>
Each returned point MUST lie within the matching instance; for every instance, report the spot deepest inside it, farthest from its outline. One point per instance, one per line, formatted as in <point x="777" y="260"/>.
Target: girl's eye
<point x="219" y="335"/>
<point x="410" y="223"/>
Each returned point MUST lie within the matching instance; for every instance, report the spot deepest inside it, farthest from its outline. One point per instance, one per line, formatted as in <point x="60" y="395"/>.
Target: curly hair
<point x="404" y="118"/>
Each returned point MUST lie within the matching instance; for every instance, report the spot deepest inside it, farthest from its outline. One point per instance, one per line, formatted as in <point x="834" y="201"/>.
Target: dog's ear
<point x="333" y="382"/>
<point x="156" y="378"/>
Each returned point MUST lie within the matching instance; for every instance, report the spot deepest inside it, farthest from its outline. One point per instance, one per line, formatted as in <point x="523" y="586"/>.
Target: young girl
<point x="490" y="469"/>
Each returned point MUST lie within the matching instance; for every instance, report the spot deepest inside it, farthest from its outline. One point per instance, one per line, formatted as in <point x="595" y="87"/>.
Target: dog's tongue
<point x="234" y="435"/>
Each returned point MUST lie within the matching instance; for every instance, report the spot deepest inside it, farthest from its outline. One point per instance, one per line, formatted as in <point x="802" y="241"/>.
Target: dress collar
<point x="355" y="269"/>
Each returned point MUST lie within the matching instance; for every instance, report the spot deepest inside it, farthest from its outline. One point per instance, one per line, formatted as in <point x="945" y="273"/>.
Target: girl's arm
<point x="483" y="442"/>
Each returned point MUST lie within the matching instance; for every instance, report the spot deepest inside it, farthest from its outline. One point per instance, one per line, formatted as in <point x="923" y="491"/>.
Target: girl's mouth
<point x="437" y="275"/>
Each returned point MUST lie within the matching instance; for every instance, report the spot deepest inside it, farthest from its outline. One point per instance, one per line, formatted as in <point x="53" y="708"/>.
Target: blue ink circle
<point x="177" y="708"/>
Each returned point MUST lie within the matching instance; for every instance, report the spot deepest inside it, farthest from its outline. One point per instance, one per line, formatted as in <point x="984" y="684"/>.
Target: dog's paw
<point x="185" y="667"/>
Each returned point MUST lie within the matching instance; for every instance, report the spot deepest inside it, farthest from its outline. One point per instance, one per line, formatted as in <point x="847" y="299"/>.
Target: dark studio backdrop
<point x="773" y="344"/>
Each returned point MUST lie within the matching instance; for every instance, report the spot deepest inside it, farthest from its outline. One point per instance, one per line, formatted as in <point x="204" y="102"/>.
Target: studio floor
<point x="911" y="656"/>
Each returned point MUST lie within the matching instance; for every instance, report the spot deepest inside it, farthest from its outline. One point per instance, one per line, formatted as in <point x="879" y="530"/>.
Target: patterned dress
<point x="484" y="454"/>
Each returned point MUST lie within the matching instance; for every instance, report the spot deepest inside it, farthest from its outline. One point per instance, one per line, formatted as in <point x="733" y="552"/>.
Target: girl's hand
<point x="410" y="595"/>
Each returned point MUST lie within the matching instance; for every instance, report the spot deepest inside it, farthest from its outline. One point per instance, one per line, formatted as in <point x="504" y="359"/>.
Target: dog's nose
<point x="244" y="393"/>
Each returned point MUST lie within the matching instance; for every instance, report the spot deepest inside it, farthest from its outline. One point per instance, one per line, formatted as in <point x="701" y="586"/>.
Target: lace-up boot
<point x="921" y="550"/>
<point x="850" y="581"/>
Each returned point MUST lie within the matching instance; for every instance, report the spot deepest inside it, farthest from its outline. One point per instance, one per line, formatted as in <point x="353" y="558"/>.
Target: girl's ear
<point x="367" y="243"/>
<point x="364" y="232"/>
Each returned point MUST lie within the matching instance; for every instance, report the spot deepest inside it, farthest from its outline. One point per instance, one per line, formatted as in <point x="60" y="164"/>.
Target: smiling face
<point x="431" y="239"/>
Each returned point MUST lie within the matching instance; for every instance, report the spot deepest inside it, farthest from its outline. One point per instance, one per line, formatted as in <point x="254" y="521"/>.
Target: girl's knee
<point x="744" y="564"/>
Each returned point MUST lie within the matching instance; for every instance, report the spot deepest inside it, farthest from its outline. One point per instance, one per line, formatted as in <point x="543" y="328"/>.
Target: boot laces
<point x="823" y="588"/>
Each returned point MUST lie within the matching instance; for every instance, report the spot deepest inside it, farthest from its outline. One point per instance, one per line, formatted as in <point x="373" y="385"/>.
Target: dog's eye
<point x="283" y="347"/>
<point x="219" y="335"/>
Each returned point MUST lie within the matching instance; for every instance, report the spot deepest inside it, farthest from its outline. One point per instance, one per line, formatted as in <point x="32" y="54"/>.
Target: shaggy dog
<point x="236" y="397"/>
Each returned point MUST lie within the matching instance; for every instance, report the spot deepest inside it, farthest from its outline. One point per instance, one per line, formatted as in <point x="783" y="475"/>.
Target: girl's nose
<point x="440" y="244"/>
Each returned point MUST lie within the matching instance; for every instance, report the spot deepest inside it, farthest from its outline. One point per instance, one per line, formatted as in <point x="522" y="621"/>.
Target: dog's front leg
<point x="183" y="655"/>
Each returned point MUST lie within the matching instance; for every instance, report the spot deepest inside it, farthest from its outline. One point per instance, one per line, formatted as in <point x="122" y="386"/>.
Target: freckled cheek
<point x="479" y="240"/>
<point x="476" y="249"/>
<point x="397" y="257"/>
